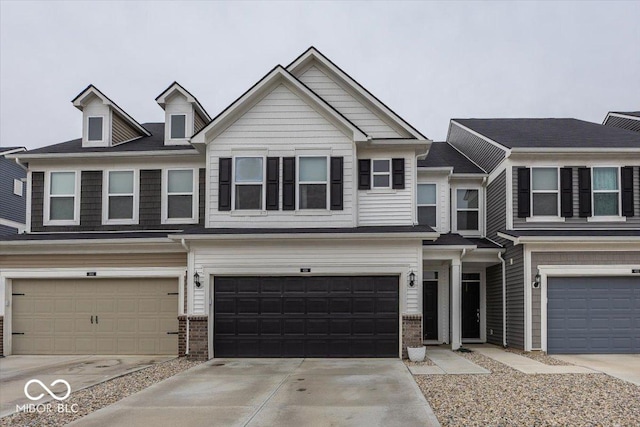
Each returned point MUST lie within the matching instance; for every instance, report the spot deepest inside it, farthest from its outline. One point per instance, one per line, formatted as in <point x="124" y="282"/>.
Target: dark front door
<point x="471" y="305"/>
<point x="349" y="316"/>
<point x="430" y="309"/>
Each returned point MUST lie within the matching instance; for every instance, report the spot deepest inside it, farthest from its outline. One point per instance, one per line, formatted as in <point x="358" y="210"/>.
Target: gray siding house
<point x="13" y="194"/>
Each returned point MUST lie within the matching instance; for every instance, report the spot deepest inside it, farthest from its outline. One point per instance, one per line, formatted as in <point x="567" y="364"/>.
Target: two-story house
<point x="563" y="198"/>
<point x="12" y="193"/>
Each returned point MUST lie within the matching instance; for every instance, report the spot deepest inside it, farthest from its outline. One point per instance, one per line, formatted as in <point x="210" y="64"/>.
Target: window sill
<point x="313" y="212"/>
<point x="545" y="219"/>
<point x="607" y="219"/>
<point x="120" y="222"/>
<point x="60" y="222"/>
<point x="381" y="191"/>
<point x="248" y="212"/>
<point x="167" y="221"/>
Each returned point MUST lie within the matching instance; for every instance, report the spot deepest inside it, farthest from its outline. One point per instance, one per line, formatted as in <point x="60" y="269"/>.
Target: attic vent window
<point x="178" y="126"/>
<point x="94" y="129"/>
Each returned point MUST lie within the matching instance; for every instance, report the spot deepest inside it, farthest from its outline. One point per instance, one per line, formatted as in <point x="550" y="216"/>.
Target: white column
<point x="456" y="304"/>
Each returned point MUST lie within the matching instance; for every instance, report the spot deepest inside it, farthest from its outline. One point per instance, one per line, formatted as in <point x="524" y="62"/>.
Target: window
<point x="312" y="182"/>
<point x="61" y="204"/>
<point x="544" y="191"/>
<point x="178" y="126"/>
<point x="120" y="203"/>
<point x="18" y="187"/>
<point x="427" y="207"/>
<point x="467" y="210"/>
<point x="606" y="192"/>
<point x="381" y="173"/>
<point x="94" y="129"/>
<point x="248" y="178"/>
<point x="180" y="194"/>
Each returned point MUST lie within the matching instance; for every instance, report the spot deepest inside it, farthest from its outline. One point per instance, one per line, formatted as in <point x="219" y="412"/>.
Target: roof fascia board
<point x="568" y="239"/>
<point x="106" y="154"/>
<point x="77" y="102"/>
<point x="14" y="150"/>
<point x="313" y="53"/>
<point x="583" y="150"/>
<point x="298" y="236"/>
<point x="175" y="86"/>
<point x="439" y="169"/>
<point x="507" y="150"/>
<point x="276" y="76"/>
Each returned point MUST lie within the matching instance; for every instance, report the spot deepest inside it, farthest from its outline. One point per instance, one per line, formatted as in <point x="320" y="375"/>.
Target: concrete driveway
<point x="79" y="371"/>
<point x="623" y="366"/>
<point x="277" y="392"/>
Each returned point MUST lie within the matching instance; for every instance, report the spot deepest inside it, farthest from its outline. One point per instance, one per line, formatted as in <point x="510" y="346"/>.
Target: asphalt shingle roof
<point x="552" y="133"/>
<point x="442" y="154"/>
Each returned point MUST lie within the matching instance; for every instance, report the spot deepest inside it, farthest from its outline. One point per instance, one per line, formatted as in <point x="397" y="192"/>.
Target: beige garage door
<point x="95" y="316"/>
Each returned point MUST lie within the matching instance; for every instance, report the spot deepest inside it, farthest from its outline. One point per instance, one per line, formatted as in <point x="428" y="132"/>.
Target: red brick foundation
<point x="198" y="337"/>
<point x="411" y="332"/>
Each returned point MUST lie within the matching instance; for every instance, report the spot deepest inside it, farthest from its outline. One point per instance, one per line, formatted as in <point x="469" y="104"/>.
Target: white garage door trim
<point x="573" y="271"/>
<point x="74" y="273"/>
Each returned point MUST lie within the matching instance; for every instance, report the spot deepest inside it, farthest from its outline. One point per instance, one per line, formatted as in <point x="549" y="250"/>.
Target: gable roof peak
<point x="177" y="87"/>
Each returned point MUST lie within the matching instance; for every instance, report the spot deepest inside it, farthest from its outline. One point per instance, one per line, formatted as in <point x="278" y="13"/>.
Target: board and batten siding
<point x="494" y="304"/>
<point x="282" y="125"/>
<point x="497" y="207"/>
<point x="576" y="221"/>
<point x="347" y="104"/>
<point x="388" y="206"/>
<point x="483" y="153"/>
<point x="332" y="257"/>
<point x="570" y="258"/>
<point x="514" y="257"/>
<point x="12" y="206"/>
<point x="121" y="130"/>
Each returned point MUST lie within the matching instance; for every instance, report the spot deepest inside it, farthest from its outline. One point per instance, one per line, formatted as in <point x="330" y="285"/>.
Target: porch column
<point x="456" y="304"/>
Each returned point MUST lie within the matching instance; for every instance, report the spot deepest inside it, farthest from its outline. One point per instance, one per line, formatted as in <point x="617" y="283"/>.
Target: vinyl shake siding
<point x="483" y="153"/>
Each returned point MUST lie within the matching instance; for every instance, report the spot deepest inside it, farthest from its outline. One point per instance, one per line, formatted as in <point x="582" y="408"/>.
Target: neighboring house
<point x="563" y="198"/>
<point x="626" y="120"/>
<point x="13" y="194"/>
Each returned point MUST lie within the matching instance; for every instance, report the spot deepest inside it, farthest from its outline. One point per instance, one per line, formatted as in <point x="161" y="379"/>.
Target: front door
<point x="471" y="305"/>
<point x="430" y="306"/>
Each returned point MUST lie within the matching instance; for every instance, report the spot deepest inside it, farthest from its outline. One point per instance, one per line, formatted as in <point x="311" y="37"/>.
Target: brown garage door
<point x="97" y="316"/>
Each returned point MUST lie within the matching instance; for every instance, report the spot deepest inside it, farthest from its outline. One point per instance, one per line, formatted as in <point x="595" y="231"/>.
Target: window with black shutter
<point x="288" y="183"/>
<point x="397" y="166"/>
<point x="273" y="183"/>
<point x="524" y="192"/>
<point x="364" y="174"/>
<point x="627" y="191"/>
<point x="337" y="183"/>
<point x="584" y="192"/>
<point x="224" y="184"/>
<point x="566" y="192"/>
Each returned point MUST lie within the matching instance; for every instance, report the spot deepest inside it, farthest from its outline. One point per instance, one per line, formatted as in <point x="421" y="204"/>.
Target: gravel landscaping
<point x="425" y="362"/>
<point x="509" y="397"/>
<point x="538" y="356"/>
<point x="104" y="394"/>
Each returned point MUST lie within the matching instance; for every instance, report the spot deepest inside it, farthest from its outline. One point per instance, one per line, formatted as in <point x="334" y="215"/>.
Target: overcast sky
<point x="427" y="61"/>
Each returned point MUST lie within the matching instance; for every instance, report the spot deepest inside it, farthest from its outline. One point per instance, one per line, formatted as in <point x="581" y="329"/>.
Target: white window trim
<point x="165" y="198"/>
<point x="298" y="183"/>
<point x="18" y="187"/>
<point x="606" y="218"/>
<point x="186" y="134"/>
<point x="263" y="183"/>
<point x="388" y="173"/>
<point x="418" y="205"/>
<point x="479" y="209"/>
<point x="104" y="130"/>
<point x="105" y="198"/>
<point x="545" y="218"/>
<point x="47" y="198"/>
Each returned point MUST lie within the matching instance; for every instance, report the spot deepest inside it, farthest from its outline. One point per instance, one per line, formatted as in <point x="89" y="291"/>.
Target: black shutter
<point x="224" y="184"/>
<point x="627" y="190"/>
<point x="364" y="174"/>
<point x="336" y="183"/>
<point x="288" y="183"/>
<point x="524" y="192"/>
<point x="273" y="183"/>
<point x="566" y="192"/>
<point x="397" y="167"/>
<point x="584" y="192"/>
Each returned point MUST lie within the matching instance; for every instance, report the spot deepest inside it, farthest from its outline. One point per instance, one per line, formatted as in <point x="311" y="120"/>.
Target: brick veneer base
<point x="411" y="332"/>
<point x="1" y="335"/>
<point x="198" y="337"/>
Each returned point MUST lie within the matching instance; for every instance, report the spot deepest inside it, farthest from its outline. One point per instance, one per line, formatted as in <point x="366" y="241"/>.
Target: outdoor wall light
<point x="412" y="279"/>
<point x="537" y="280"/>
<point x="196" y="280"/>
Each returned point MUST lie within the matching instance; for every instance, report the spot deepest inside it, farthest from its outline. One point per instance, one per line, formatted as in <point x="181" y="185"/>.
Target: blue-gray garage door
<point x="593" y="315"/>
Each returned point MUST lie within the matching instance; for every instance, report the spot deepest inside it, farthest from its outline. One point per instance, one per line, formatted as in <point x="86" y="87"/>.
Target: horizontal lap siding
<point x="621" y="122"/>
<point x="12" y="206"/>
<point x="89" y="261"/>
<point x="483" y="153"/>
<point x="515" y="296"/>
<point x="281" y="125"/>
<point x="198" y="123"/>
<point x="497" y="207"/>
<point x="289" y="256"/>
<point x="347" y="104"/>
<point x="576" y="221"/>
<point x="121" y="131"/>
<point x="494" y="304"/>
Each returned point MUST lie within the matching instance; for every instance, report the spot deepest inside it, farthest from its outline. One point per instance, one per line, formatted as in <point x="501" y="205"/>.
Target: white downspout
<point x="186" y="314"/>
<point x="504" y="299"/>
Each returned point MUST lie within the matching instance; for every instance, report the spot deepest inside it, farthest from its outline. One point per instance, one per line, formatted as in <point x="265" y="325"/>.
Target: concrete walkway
<point x="622" y="366"/>
<point x="277" y="392"/>
<point x="79" y="371"/>
<point x="525" y="364"/>
<point x="447" y="362"/>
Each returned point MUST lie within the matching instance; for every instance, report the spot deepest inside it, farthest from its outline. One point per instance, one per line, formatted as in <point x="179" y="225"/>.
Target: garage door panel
<point x="593" y="315"/>
<point x="306" y="317"/>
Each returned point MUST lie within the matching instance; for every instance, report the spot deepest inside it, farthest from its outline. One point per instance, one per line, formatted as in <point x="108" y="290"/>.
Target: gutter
<point x="302" y="235"/>
<point x="504" y="299"/>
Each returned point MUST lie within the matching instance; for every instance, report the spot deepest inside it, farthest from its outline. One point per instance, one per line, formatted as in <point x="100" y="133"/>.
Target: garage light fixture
<point x="196" y="280"/>
<point x="537" y="280"/>
<point x="412" y="279"/>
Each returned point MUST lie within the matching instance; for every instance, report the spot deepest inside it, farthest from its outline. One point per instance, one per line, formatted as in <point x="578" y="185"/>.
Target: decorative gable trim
<point x="276" y="76"/>
<point x="314" y="55"/>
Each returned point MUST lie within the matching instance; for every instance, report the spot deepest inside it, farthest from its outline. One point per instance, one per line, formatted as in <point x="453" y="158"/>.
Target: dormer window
<point x="95" y="128"/>
<point x="178" y="126"/>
